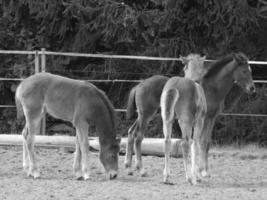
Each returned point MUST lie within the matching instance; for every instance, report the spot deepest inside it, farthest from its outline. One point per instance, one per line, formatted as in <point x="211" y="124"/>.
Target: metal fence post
<point x="43" y="69"/>
<point x="36" y="62"/>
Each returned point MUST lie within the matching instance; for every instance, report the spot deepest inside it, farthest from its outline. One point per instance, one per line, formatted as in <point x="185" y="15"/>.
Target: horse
<point x="183" y="99"/>
<point x="79" y="102"/>
<point x="145" y="98"/>
<point x="216" y="81"/>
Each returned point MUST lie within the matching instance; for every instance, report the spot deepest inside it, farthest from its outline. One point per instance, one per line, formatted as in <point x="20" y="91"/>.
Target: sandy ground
<point x="235" y="174"/>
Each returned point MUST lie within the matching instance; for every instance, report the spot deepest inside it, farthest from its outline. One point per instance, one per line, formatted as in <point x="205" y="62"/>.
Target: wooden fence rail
<point x="150" y="146"/>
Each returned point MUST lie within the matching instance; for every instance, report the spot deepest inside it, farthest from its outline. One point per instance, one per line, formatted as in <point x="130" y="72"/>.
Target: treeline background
<point x="164" y="28"/>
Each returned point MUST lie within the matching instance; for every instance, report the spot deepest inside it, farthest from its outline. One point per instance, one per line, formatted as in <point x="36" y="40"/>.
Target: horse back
<point x="188" y="102"/>
<point x="63" y="98"/>
<point x="148" y="94"/>
<point x="145" y="97"/>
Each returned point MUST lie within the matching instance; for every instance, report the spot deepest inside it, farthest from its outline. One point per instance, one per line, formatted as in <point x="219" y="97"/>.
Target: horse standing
<point x="76" y="101"/>
<point x="145" y="98"/>
<point x="217" y="80"/>
<point x="184" y="100"/>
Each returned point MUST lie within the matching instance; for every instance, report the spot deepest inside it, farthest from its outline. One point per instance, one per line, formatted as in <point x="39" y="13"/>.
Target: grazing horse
<point x="216" y="81"/>
<point x="76" y="101"/>
<point x="145" y="97"/>
<point x="184" y="100"/>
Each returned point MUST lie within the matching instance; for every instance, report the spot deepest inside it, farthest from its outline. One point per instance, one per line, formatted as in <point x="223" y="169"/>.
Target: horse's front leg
<point x="205" y="140"/>
<point x="33" y="124"/>
<point x="26" y="160"/>
<point x="77" y="160"/>
<point x="82" y="134"/>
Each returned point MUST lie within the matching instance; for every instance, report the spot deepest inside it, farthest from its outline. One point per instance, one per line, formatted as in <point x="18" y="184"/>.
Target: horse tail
<point x="167" y="103"/>
<point x="20" y="113"/>
<point x="131" y="105"/>
<point x="108" y="104"/>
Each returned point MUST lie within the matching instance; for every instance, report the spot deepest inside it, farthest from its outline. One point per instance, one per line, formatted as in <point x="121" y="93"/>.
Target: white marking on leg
<point x="193" y="163"/>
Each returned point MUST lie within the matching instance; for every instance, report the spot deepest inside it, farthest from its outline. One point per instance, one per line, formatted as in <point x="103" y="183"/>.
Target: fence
<point x="41" y="56"/>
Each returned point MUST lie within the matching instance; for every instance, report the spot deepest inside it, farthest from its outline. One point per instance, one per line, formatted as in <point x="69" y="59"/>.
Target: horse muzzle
<point x="112" y="174"/>
<point x="251" y="89"/>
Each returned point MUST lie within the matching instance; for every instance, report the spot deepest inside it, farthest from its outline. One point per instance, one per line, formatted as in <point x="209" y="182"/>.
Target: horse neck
<point x="106" y="131"/>
<point x="105" y="122"/>
<point x="220" y="84"/>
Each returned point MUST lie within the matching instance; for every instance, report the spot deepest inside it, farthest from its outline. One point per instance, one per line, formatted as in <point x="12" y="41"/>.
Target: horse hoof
<point x="143" y="173"/>
<point x="36" y="174"/>
<point x="168" y="183"/>
<point x="79" y="178"/>
<point x="130" y="173"/>
<point x="86" y="177"/>
<point x="204" y="174"/>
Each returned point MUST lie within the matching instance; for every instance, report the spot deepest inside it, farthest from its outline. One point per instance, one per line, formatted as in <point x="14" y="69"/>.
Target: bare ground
<point x="235" y="174"/>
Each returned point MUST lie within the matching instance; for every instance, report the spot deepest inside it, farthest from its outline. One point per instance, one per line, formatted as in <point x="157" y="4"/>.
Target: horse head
<point x="243" y="73"/>
<point x="194" y="66"/>
<point x="109" y="157"/>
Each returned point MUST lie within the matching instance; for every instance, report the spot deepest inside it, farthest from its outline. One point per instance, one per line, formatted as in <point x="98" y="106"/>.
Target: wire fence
<point x="42" y="67"/>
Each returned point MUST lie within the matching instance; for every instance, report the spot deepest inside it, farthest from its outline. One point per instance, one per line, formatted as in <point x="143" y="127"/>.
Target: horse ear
<point x="240" y="57"/>
<point x="184" y="60"/>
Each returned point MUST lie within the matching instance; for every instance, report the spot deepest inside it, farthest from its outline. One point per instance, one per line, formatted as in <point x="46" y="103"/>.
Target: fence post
<point x="36" y="62"/>
<point x="43" y="69"/>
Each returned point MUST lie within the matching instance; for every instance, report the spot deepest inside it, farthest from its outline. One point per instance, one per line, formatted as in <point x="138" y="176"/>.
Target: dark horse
<point x="217" y="81"/>
<point x="76" y="101"/>
<point x="145" y="97"/>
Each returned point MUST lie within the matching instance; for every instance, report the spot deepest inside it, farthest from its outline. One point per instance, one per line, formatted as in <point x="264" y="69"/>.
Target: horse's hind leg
<point x="167" y="130"/>
<point x="195" y="148"/>
<point x="26" y="161"/>
<point x="33" y="124"/>
<point x="142" y="124"/>
<point x="129" y="148"/>
<point x="167" y="104"/>
<point x="186" y="129"/>
<point x="77" y="160"/>
<point x="82" y="134"/>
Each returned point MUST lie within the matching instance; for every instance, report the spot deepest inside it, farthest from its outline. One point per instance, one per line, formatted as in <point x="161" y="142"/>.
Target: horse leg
<point x="205" y="140"/>
<point x="26" y="161"/>
<point x="168" y="100"/>
<point x="33" y="124"/>
<point x="186" y="129"/>
<point x="77" y="160"/>
<point x="129" y="148"/>
<point x="167" y="130"/>
<point x="195" y="148"/>
<point x="137" y="144"/>
<point x="82" y="133"/>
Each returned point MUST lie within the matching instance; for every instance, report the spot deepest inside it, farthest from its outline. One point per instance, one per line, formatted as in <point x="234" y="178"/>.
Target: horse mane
<point x="218" y="65"/>
<point x="109" y="106"/>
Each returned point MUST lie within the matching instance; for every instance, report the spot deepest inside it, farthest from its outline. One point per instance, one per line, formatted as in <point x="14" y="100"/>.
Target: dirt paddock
<point x="235" y="174"/>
